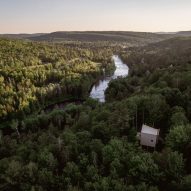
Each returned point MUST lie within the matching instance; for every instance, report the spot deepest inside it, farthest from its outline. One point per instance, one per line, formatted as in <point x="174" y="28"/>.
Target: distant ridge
<point x="171" y="33"/>
<point x="184" y="33"/>
<point x="130" y="37"/>
<point x="21" y="35"/>
<point x="134" y="38"/>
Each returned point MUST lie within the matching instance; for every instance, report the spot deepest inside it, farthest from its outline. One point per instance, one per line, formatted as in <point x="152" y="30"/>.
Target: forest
<point x="90" y="145"/>
<point x="34" y="75"/>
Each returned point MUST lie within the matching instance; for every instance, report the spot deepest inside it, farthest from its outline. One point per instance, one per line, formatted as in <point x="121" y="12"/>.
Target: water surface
<point x="98" y="90"/>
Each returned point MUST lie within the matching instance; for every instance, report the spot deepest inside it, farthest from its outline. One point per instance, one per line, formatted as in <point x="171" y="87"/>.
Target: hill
<point x="29" y="70"/>
<point x="134" y="38"/>
<point x="184" y="33"/>
<point x="123" y="37"/>
<point x="20" y="36"/>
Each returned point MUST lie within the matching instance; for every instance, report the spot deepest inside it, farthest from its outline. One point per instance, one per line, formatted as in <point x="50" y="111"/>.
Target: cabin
<point x="149" y="136"/>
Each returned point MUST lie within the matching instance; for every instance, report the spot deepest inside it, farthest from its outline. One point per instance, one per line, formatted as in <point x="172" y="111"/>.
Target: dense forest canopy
<point x="35" y="74"/>
<point x="91" y="145"/>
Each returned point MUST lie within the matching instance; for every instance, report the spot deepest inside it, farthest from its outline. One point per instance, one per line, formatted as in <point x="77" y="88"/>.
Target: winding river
<point x="98" y="90"/>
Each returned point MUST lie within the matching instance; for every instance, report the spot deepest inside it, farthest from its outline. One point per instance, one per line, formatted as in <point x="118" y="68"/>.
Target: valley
<point x="70" y="111"/>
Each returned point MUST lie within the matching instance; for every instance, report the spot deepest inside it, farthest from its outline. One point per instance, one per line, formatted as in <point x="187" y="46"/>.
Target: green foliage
<point x="174" y="168"/>
<point x="179" y="138"/>
<point x="178" y="117"/>
<point x="33" y="75"/>
<point x="85" y="145"/>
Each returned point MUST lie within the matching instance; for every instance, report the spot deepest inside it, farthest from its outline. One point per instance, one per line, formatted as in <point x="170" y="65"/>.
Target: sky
<point x="36" y="16"/>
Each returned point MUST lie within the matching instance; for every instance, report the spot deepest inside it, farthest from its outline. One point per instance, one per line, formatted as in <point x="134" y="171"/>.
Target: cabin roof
<point x="149" y="130"/>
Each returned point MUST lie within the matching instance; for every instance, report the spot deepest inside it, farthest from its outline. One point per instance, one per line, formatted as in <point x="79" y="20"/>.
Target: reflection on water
<point x="98" y="90"/>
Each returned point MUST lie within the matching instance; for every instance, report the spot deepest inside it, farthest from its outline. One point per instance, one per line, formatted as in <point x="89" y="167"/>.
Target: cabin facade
<point x="149" y="136"/>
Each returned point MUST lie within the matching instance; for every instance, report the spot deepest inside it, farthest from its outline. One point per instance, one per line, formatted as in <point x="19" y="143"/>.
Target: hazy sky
<point x="31" y="16"/>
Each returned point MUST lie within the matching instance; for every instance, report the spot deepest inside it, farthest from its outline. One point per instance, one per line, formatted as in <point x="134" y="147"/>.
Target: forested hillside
<point x="159" y="74"/>
<point x="91" y="146"/>
<point x="33" y="75"/>
<point x="157" y="92"/>
<point x="126" y="38"/>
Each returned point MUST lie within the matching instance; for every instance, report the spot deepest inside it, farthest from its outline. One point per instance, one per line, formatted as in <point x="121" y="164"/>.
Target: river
<point x="98" y="90"/>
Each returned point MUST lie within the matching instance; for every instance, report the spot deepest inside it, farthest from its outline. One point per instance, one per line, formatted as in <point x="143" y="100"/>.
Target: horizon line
<point x="20" y="33"/>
